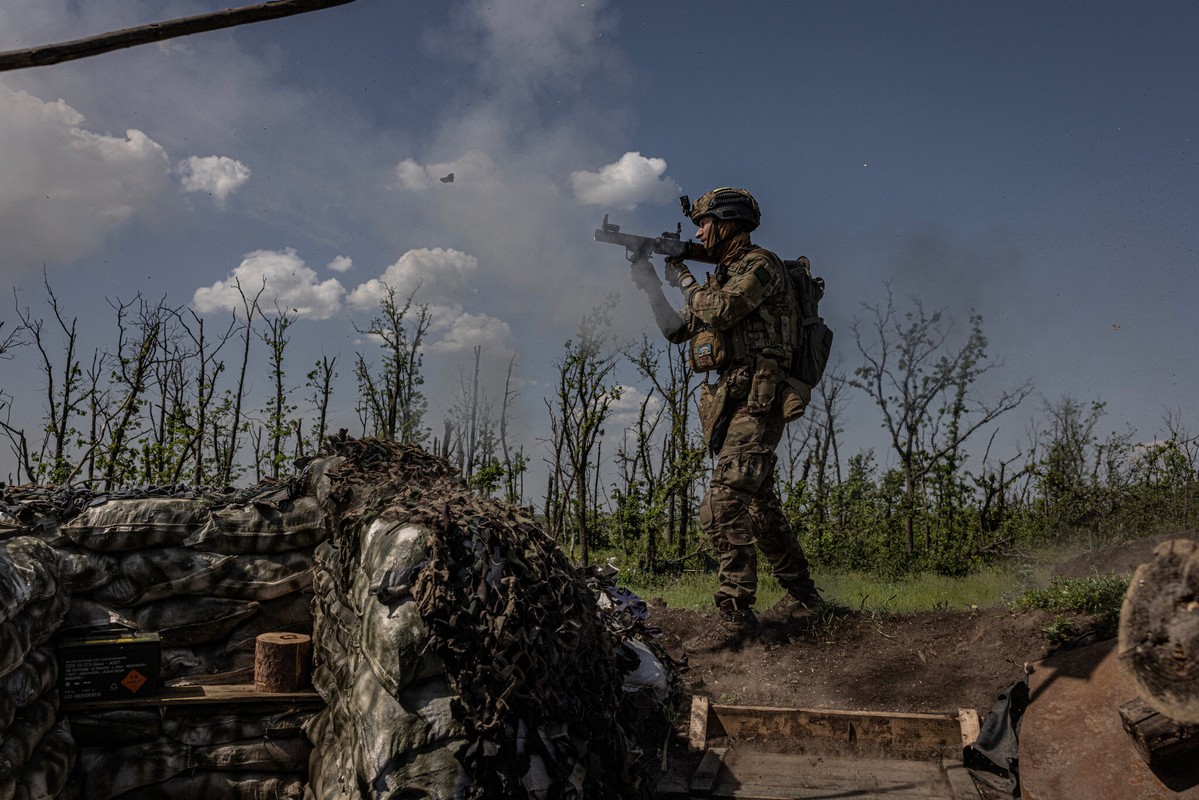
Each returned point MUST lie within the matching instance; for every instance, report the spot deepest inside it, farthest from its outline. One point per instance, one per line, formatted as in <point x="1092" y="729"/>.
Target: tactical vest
<point x="771" y="330"/>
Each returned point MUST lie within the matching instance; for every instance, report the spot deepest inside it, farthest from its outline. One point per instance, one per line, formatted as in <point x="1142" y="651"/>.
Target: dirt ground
<point x="927" y="662"/>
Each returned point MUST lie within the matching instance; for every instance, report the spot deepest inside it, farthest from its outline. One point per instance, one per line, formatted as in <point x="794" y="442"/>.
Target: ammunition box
<point x="109" y="667"/>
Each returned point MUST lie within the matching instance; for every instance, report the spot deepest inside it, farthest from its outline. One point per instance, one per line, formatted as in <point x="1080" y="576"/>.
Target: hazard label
<point x="134" y="681"/>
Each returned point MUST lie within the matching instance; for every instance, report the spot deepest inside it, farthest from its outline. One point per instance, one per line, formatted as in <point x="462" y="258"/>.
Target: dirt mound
<point x="929" y="662"/>
<point x="1121" y="559"/>
<point x="859" y="660"/>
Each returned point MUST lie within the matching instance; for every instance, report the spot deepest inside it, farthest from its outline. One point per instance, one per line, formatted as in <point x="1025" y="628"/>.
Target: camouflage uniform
<point x="750" y="302"/>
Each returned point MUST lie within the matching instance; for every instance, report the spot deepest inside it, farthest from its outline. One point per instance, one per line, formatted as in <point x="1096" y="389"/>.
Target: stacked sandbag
<point x="36" y="748"/>
<point x="206" y="573"/>
<point x="167" y="754"/>
<point x="459" y="653"/>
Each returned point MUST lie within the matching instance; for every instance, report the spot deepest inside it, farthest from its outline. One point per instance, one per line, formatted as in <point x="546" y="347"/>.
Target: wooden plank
<point x="705" y="774"/>
<point x="749" y="775"/>
<point x="960" y="781"/>
<point x="968" y="720"/>
<point x="1159" y="740"/>
<point x="911" y="734"/>
<point x="697" y="735"/>
<point x="202" y="695"/>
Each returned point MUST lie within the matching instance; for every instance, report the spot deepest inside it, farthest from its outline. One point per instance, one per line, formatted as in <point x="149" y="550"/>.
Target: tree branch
<point x="157" y="32"/>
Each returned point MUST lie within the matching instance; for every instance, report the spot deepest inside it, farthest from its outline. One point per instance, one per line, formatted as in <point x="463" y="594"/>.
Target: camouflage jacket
<point x="750" y="300"/>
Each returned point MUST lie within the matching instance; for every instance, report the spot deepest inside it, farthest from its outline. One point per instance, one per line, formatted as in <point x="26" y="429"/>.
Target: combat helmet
<point x="727" y="203"/>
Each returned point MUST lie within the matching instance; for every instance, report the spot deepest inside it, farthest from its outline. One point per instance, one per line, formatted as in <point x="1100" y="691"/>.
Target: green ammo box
<point x="109" y="667"/>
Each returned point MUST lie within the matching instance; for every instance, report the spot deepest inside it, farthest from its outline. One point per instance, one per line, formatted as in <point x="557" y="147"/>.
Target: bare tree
<point x="64" y="398"/>
<point x="207" y="372"/>
<point x="320" y="381"/>
<point x="250" y="308"/>
<point x="920" y="383"/>
<point x="514" y="464"/>
<point x="578" y="410"/>
<point x="132" y="365"/>
<point x="278" y="426"/>
<point x="391" y="402"/>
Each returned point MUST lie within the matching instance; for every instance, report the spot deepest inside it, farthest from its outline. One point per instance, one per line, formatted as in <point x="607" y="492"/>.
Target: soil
<point x="927" y="662"/>
<point x="937" y="661"/>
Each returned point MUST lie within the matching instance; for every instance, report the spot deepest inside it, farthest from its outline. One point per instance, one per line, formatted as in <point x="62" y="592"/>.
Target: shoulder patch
<point x="762" y="273"/>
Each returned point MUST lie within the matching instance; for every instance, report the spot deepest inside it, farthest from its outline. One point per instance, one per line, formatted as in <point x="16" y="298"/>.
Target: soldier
<point x="741" y="324"/>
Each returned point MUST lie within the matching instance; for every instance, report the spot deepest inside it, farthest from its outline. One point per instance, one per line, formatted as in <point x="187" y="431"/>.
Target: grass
<point x="925" y="592"/>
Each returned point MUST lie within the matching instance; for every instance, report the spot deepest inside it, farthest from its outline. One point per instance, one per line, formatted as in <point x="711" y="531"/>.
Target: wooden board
<point x="929" y="736"/>
<point x="200" y="695"/>
<point x="752" y="775"/>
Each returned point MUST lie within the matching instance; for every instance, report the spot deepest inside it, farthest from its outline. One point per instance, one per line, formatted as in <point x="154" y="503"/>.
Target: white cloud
<point x="219" y="176"/>
<point x="285" y="282"/>
<point x="631" y="180"/>
<point x="65" y="188"/>
<point x="471" y="168"/>
<point x="624" y="411"/>
<point x="466" y="331"/>
<point x="441" y="274"/>
<point x="341" y="264"/>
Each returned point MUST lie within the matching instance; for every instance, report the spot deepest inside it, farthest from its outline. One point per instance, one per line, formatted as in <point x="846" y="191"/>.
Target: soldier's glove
<point x="677" y="274"/>
<point x="644" y="277"/>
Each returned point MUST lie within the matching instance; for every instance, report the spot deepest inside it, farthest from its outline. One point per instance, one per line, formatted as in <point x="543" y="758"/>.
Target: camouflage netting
<point x="460" y="653"/>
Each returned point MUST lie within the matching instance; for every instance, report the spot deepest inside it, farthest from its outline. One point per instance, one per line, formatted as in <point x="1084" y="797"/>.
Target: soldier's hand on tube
<point x="644" y="277"/>
<point x="677" y="273"/>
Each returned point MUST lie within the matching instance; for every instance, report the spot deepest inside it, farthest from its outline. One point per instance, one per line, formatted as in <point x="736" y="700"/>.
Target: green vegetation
<point x="1097" y="596"/>
<point x="932" y="520"/>
<point x="926" y="591"/>
<point x="1092" y="595"/>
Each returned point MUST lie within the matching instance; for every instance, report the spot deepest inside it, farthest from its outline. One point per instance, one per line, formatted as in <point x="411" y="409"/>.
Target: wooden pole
<point x="158" y="31"/>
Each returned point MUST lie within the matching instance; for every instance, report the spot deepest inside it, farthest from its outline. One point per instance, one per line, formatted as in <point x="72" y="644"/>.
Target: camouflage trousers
<point x="742" y="509"/>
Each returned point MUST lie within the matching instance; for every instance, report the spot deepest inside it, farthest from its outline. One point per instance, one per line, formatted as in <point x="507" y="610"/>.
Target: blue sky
<point x="1034" y="162"/>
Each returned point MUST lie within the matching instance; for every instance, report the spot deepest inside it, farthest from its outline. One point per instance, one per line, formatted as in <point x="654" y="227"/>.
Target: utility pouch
<point x="763" y="389"/>
<point x="712" y="400"/>
<point x="795" y="398"/>
<point x="708" y="351"/>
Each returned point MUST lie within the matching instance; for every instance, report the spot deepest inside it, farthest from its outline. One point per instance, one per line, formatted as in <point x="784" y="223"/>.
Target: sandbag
<point x="31" y="725"/>
<point x="261" y="527"/>
<point x="267" y="755"/>
<point x="161" y="572"/>
<point x="187" y="621"/>
<point x="266" y="577"/>
<point x="289" y="614"/>
<point x="29" y="570"/>
<point x="36" y="623"/>
<point x="223" y="786"/>
<point x="117" y="727"/>
<point x="88" y="615"/>
<point x="37" y="674"/>
<point x="205" y="729"/>
<point x="112" y="771"/>
<point x="46" y="774"/>
<point x="134" y="523"/>
<point x="84" y="571"/>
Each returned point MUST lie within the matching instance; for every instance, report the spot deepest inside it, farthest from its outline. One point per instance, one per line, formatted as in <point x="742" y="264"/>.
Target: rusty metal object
<point x="1159" y="631"/>
<point x="1072" y="742"/>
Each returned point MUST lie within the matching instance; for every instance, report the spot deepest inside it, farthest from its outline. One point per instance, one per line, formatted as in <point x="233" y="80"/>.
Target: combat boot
<point x="794" y="607"/>
<point x="735" y="624"/>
